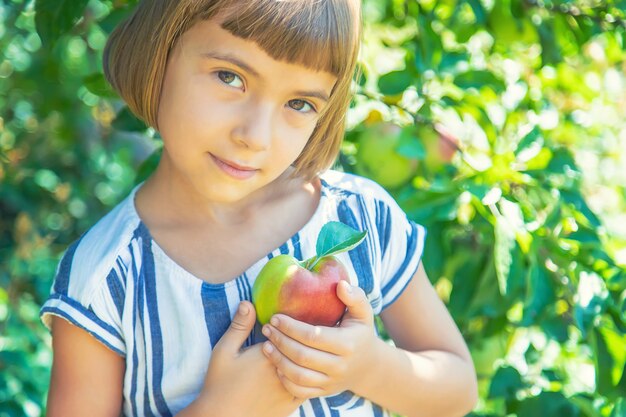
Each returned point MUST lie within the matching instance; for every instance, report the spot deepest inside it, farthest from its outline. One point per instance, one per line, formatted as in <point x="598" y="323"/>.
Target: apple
<point x="378" y="158"/>
<point x="287" y="287"/>
<point x="448" y="143"/>
<point x="440" y="143"/>
<point x="307" y="290"/>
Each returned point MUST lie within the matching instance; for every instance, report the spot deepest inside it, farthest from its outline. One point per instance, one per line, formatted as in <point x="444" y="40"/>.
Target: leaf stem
<point x="311" y="262"/>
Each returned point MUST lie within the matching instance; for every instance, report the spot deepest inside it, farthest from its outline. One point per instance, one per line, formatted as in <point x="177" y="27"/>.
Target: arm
<point x="87" y="377"/>
<point x="431" y="363"/>
<point x="433" y="374"/>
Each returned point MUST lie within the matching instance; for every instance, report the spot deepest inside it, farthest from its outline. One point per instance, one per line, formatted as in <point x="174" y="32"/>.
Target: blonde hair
<point x="323" y="35"/>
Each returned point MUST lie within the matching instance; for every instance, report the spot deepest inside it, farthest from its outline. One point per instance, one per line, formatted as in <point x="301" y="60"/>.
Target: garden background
<point x="499" y="125"/>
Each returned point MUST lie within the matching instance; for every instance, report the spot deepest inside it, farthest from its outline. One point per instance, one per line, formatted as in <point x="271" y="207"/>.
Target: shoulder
<point x="362" y="197"/>
<point x="104" y="248"/>
<point x="343" y="184"/>
<point x="366" y="205"/>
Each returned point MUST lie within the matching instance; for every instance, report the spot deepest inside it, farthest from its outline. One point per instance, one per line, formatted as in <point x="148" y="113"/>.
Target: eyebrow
<point x="316" y="94"/>
<point x="233" y="60"/>
<point x="241" y="64"/>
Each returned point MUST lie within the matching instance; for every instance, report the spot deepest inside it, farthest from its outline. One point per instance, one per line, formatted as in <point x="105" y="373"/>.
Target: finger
<point x="326" y="339"/>
<point x="239" y="329"/>
<point x="301" y="355"/>
<point x="297" y="376"/>
<point x="300" y="391"/>
<point x="358" y="307"/>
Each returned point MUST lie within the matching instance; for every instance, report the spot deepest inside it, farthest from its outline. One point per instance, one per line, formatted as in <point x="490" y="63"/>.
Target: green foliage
<point x="505" y="100"/>
<point x="55" y="18"/>
<point x="504" y="122"/>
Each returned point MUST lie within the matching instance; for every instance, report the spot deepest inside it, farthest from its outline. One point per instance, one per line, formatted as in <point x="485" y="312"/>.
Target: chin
<point x="223" y="192"/>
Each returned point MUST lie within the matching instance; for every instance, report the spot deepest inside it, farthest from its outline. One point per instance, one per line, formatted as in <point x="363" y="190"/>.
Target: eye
<point x="230" y="78"/>
<point x="301" y="106"/>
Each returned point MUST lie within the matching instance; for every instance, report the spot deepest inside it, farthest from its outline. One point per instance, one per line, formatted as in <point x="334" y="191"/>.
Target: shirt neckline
<point x="192" y="277"/>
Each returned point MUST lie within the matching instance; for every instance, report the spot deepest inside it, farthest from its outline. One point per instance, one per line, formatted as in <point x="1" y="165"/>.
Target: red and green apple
<point x="307" y="290"/>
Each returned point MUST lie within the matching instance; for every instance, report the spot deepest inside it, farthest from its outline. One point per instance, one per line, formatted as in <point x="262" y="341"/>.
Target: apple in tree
<point x="378" y="156"/>
<point x="448" y="143"/>
<point x="307" y="290"/>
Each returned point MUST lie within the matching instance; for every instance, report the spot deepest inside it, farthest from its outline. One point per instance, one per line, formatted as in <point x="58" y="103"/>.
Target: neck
<point x="169" y="200"/>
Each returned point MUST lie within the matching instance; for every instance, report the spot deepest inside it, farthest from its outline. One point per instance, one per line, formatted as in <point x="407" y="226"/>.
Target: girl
<point x="150" y="311"/>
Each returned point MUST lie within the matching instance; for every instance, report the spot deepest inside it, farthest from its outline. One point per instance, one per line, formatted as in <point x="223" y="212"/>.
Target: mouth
<point x="234" y="169"/>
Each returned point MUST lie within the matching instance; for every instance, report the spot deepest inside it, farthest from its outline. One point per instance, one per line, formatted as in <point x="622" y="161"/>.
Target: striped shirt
<point x="116" y="283"/>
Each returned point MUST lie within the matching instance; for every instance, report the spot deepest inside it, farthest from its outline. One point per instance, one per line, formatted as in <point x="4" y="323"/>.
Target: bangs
<point x="318" y="34"/>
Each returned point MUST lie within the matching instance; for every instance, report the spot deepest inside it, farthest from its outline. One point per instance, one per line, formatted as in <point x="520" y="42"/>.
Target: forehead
<point x="208" y="40"/>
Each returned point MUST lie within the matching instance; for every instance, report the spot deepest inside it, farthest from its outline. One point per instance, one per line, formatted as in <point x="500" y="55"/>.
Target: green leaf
<point x="506" y="383"/>
<point x="539" y="294"/>
<point x="619" y="410"/>
<point x="616" y="282"/>
<point x="518" y="9"/>
<point x="477" y="190"/>
<point x="114" y="18"/>
<point x="562" y="162"/>
<point x="337" y="237"/>
<point x="539" y="162"/>
<point x="479" y="11"/>
<point x="149" y="165"/>
<point x="584" y="316"/>
<point x="504" y="245"/>
<point x="548" y="404"/>
<point x="478" y="79"/>
<point x="394" y="82"/>
<point x="469" y="271"/>
<point x="550" y="50"/>
<point x="127" y="121"/>
<point x="450" y="60"/>
<point x="429" y="49"/>
<point x="585" y="402"/>
<point x="610" y="358"/>
<point x="54" y="18"/>
<point x="422" y="207"/>
<point x="584" y="235"/>
<point x="486" y="298"/>
<point x="527" y="141"/>
<point x="97" y="84"/>
<point x="576" y="199"/>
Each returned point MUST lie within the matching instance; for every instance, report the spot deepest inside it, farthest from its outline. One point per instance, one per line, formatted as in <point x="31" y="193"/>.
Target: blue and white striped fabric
<point x="118" y="284"/>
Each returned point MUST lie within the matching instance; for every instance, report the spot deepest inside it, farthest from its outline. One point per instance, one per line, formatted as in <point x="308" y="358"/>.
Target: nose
<point x="254" y="128"/>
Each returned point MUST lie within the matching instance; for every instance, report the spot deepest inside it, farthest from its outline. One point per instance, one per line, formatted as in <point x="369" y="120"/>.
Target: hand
<point x="243" y="382"/>
<point x="314" y="361"/>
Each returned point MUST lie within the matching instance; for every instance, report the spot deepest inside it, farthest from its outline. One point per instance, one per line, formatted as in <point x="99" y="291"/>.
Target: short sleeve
<point x="402" y="245"/>
<point x="87" y="298"/>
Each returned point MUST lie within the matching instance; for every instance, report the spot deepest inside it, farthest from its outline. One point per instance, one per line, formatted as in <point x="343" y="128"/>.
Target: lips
<point x="233" y="169"/>
<point x="234" y="165"/>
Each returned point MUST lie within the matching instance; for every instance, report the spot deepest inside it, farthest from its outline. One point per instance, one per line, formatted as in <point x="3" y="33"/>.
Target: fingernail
<point x="274" y="321"/>
<point x="267" y="347"/>
<point x="348" y="287"/>
<point x="243" y="309"/>
<point x="266" y="331"/>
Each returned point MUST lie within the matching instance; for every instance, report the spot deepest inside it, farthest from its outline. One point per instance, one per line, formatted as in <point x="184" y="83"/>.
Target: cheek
<point x="191" y="113"/>
<point x="299" y="128"/>
<point x="295" y="140"/>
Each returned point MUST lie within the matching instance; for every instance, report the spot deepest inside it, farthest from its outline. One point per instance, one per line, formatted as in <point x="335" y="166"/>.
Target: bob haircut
<point x="323" y="35"/>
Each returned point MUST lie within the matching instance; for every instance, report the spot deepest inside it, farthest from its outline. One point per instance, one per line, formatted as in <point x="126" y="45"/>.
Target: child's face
<point x="225" y="99"/>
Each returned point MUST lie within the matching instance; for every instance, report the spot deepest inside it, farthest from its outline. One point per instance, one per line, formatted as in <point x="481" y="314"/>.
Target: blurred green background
<point x="499" y="125"/>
